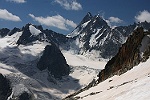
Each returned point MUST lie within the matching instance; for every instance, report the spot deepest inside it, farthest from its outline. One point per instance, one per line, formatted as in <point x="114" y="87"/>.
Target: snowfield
<point x="132" y="85"/>
<point x="80" y="60"/>
<point x="18" y="64"/>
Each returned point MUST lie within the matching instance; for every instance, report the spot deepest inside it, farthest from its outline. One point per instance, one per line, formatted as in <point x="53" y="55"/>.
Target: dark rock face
<point x="87" y="18"/>
<point x="25" y="96"/>
<point x="45" y="35"/>
<point x="14" y="31"/>
<point x="53" y="60"/>
<point x="146" y="49"/>
<point x="4" y="32"/>
<point x="56" y="38"/>
<point x="96" y="23"/>
<point x="5" y="89"/>
<point x="26" y="36"/>
<point x="127" y="57"/>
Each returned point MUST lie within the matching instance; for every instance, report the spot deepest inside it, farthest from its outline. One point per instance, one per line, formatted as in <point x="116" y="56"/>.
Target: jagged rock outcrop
<point x="53" y="60"/>
<point x="31" y="33"/>
<point x="146" y="54"/>
<point x="128" y="56"/>
<point x="4" y="32"/>
<point x="5" y="88"/>
<point x="56" y="38"/>
<point x="87" y="17"/>
<point x="25" y="96"/>
<point x="93" y="37"/>
<point x="27" y="36"/>
<point x="14" y="30"/>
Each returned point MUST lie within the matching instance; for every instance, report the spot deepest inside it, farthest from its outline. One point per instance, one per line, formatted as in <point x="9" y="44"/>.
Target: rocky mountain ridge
<point x="94" y="37"/>
<point x="30" y="33"/>
<point x="135" y="50"/>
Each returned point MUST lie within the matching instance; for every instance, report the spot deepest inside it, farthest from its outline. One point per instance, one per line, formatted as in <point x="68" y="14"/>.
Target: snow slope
<point x="10" y="40"/>
<point x="80" y="60"/>
<point x="18" y="64"/>
<point x="132" y="85"/>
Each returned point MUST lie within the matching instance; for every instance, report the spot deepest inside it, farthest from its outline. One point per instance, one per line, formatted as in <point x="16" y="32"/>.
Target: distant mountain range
<point x="93" y="37"/>
<point x="32" y="58"/>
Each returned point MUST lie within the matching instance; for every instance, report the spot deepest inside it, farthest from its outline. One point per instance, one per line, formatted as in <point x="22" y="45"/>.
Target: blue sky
<point x="64" y="15"/>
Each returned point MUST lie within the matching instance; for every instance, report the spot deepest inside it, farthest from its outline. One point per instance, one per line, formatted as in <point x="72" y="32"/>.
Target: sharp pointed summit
<point x="46" y="65"/>
<point x="88" y="23"/>
<point x="87" y="18"/>
<point x="93" y="36"/>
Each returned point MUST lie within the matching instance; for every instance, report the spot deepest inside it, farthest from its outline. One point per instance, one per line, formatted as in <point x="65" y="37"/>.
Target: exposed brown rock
<point x="127" y="57"/>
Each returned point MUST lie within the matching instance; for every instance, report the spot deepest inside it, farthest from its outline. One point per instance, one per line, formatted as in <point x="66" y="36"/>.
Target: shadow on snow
<point x="26" y="64"/>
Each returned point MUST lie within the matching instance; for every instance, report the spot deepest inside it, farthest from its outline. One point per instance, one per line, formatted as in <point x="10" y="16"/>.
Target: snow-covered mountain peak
<point x="94" y="36"/>
<point x="29" y="25"/>
<point x="34" y="31"/>
<point x="125" y="75"/>
<point x="20" y="50"/>
<point x="88" y="23"/>
<point x="18" y="63"/>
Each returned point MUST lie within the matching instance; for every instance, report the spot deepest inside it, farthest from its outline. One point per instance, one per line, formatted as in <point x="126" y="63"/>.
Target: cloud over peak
<point x="4" y="14"/>
<point x="143" y="16"/>
<point x="69" y="4"/>
<point x="17" y="1"/>
<point x="55" y="21"/>
<point x="115" y="20"/>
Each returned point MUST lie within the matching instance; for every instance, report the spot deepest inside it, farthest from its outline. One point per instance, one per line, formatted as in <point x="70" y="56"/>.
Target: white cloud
<point x="143" y="16"/>
<point x="55" y="21"/>
<point x="17" y="1"/>
<point x="4" y="14"/>
<point x="108" y="22"/>
<point x="69" y="4"/>
<point x="115" y="20"/>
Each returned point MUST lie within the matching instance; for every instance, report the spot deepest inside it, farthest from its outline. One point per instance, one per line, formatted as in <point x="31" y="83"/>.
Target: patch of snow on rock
<point x="34" y="31"/>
